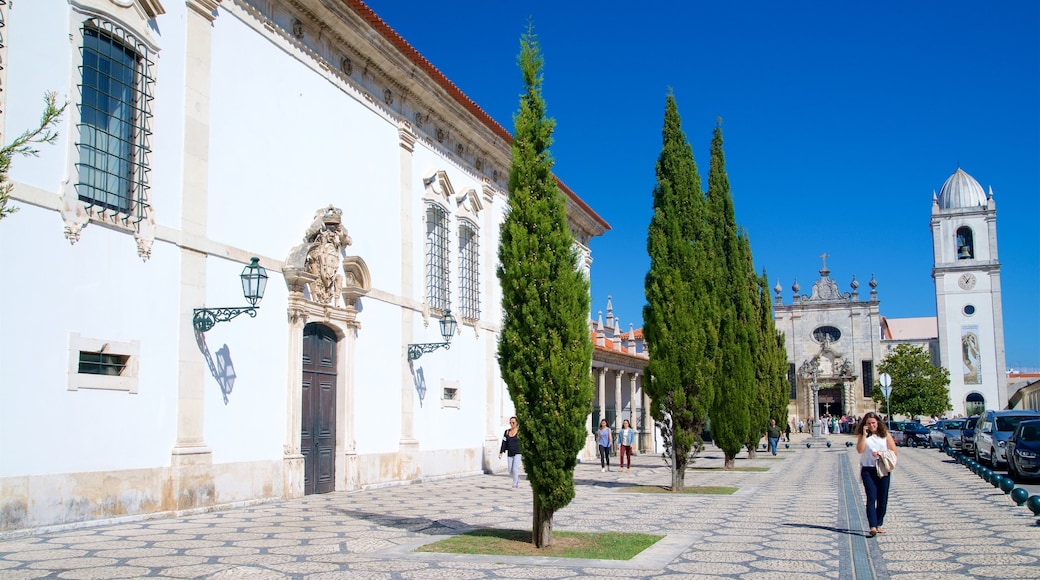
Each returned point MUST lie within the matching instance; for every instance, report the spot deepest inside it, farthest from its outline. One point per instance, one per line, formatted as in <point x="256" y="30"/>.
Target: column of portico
<point x="637" y="403"/>
<point x="602" y="396"/>
<point x="646" y="438"/>
<point x="617" y="399"/>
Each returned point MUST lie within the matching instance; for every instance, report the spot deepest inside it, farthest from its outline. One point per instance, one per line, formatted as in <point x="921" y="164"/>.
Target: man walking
<point x="773" y="433"/>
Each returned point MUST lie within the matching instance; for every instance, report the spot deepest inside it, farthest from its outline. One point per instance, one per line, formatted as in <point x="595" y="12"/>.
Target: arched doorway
<point x="318" y="424"/>
<point x="830" y="401"/>
<point x="974" y="404"/>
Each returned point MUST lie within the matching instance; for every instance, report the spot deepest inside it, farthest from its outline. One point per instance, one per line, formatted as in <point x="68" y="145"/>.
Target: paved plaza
<point x="803" y="518"/>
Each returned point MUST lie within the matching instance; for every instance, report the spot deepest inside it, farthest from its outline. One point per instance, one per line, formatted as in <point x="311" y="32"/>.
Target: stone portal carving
<point x="320" y="269"/>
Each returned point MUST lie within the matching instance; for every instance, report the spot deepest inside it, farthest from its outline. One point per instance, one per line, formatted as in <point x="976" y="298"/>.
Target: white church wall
<point x="98" y="289"/>
<point x="250" y="424"/>
<point x="379" y="358"/>
<point x="37" y="32"/>
<point x="310" y="145"/>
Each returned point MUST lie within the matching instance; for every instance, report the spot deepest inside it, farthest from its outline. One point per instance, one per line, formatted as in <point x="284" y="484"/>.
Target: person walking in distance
<point x="511" y="447"/>
<point x="872" y="439"/>
<point x="626" y="436"/>
<point x="603" y="438"/>
<point x="773" y="434"/>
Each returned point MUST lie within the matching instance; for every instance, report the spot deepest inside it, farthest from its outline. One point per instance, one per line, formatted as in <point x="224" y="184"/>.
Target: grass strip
<point x="593" y="546"/>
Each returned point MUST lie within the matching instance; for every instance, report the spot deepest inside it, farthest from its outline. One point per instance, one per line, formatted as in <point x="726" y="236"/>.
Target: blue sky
<point x="840" y="119"/>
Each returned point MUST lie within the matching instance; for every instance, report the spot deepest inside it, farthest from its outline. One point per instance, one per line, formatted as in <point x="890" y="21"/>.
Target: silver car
<point x="946" y="433"/>
<point x="993" y="431"/>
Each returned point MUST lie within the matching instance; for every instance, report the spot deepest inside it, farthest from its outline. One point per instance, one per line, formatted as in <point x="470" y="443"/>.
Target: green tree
<point x="545" y="351"/>
<point x="771" y="397"/>
<point x="919" y="388"/>
<point x="773" y="358"/>
<point x="24" y="146"/>
<point x="735" y="379"/>
<point x="680" y="319"/>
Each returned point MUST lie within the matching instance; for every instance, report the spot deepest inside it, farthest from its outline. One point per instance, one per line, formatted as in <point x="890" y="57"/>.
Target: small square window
<point x="102" y="364"/>
<point x="99" y="363"/>
<point x="450" y="394"/>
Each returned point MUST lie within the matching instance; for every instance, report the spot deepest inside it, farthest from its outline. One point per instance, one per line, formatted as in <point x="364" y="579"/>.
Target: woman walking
<point x="873" y="439"/>
<point x="604" y="437"/>
<point x="511" y="447"/>
<point x="626" y="437"/>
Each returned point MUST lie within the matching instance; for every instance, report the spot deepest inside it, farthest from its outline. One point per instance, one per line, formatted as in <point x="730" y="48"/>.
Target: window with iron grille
<point x="116" y="84"/>
<point x="437" y="259"/>
<point x="868" y="378"/>
<point x="98" y="363"/>
<point x="469" y="271"/>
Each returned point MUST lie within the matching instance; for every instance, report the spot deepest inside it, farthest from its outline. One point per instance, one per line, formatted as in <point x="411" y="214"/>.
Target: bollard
<point x="994" y="479"/>
<point x="828" y="444"/>
<point x="1033" y="503"/>
<point x="1007" y="484"/>
<point x="787" y="445"/>
<point x="1019" y="495"/>
<point x="808" y="445"/>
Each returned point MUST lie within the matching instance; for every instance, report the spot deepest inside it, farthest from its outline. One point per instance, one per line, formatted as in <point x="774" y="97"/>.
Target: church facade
<point x="835" y="341"/>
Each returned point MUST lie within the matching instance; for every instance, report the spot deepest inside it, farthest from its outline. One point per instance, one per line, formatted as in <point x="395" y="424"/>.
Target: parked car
<point x="896" y="429"/>
<point x="916" y="435"/>
<point x="1023" y="450"/>
<point x="947" y="433"/>
<point x="968" y="435"/>
<point x="993" y="431"/>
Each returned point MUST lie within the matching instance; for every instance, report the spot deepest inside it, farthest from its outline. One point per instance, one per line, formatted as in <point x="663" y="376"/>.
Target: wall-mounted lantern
<point x="448" y="326"/>
<point x="254" y="282"/>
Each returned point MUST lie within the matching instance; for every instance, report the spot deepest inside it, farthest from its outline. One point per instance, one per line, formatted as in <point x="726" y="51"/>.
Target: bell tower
<point x="967" y="294"/>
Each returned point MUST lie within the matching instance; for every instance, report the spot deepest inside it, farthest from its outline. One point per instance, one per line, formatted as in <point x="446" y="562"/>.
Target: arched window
<point x="437" y="260"/>
<point x="965" y="244"/>
<point x="974" y="404"/>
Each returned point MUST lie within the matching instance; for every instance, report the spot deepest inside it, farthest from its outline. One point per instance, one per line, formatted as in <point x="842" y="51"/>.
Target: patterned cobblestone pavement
<point x="800" y="519"/>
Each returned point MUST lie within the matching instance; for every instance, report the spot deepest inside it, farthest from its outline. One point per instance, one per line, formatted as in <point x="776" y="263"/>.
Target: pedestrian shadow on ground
<point x="416" y="525"/>
<point x="845" y="531"/>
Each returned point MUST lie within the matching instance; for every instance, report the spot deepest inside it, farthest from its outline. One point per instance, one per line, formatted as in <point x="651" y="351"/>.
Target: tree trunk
<point x="752" y="451"/>
<point x="541" y="525"/>
<point x="730" y="461"/>
<point x="679" y="475"/>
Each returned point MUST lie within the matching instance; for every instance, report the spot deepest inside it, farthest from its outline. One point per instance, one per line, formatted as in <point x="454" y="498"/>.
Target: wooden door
<point x="318" y="427"/>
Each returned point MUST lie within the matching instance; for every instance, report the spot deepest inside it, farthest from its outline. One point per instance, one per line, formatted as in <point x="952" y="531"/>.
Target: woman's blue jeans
<point x="876" y="488"/>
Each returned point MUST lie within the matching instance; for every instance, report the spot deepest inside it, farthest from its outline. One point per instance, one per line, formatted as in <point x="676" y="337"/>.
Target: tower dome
<point x="961" y="191"/>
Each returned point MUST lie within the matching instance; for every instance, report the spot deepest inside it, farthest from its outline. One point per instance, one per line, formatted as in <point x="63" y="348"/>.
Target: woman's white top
<point x="874" y="444"/>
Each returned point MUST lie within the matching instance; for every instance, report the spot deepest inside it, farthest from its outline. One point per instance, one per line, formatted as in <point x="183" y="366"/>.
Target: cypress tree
<point x="680" y="318"/>
<point x="545" y="351"/>
<point x="774" y="358"/>
<point x="761" y="406"/>
<point x="770" y="401"/>
<point x="734" y="384"/>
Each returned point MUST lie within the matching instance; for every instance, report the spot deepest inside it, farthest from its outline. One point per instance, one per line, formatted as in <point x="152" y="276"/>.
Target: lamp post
<point x="886" y="389"/>
<point x="448" y="326"/>
<point x="254" y="282"/>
